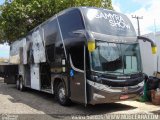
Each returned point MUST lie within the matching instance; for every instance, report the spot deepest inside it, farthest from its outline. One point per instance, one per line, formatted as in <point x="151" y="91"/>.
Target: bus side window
<point x="77" y="56"/>
<point x="50" y="38"/>
<point x="50" y="52"/>
<point x="70" y="22"/>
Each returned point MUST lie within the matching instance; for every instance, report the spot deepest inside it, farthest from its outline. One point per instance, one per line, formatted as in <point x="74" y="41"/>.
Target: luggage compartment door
<point x="35" y="76"/>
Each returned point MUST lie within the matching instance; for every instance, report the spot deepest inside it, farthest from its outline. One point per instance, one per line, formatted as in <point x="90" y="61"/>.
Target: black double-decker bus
<point x="87" y="55"/>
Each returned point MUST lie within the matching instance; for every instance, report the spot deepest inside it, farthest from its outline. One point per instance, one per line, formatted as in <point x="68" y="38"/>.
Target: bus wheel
<point x="17" y="84"/>
<point x="61" y="96"/>
<point x="21" y="86"/>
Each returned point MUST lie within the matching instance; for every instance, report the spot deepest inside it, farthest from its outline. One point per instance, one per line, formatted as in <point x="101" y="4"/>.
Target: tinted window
<point x="28" y="40"/>
<point x="70" y="22"/>
<point x="29" y="48"/>
<point x="50" y="32"/>
<point x="108" y="22"/>
<point x="77" y="55"/>
<point x="50" y="37"/>
<point x="50" y="52"/>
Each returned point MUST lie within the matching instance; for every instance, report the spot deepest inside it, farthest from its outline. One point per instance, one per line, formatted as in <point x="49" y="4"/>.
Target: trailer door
<point x="77" y="74"/>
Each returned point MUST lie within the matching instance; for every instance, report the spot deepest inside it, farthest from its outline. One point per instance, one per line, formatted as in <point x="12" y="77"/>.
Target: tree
<point x="18" y="17"/>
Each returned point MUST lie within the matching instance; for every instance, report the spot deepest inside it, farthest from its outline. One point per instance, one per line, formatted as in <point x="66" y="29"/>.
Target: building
<point x="150" y="62"/>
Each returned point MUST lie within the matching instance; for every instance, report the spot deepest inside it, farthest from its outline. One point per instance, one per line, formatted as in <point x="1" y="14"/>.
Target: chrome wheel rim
<point x="17" y="83"/>
<point x="21" y="85"/>
<point x="61" y="94"/>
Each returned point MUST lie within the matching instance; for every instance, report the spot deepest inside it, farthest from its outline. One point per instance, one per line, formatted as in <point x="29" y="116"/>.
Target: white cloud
<point x="150" y="13"/>
<point x="4" y="50"/>
<point x="4" y="46"/>
<point x="143" y="2"/>
<point x="116" y="6"/>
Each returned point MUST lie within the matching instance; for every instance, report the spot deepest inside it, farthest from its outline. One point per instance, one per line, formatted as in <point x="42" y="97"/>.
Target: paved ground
<point x="33" y="102"/>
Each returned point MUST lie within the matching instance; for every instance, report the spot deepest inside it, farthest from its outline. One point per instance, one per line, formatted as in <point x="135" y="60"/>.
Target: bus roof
<point x="100" y="20"/>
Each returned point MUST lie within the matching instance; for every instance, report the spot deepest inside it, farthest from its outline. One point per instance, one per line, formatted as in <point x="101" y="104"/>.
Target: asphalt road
<point x="33" y="104"/>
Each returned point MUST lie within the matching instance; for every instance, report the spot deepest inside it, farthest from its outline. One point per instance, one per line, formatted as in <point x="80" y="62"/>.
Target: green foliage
<point x="20" y="16"/>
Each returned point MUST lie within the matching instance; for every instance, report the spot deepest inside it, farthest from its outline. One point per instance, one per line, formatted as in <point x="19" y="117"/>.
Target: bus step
<point x="47" y="90"/>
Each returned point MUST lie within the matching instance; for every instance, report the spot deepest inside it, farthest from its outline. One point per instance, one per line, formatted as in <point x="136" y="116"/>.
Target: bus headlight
<point x="141" y="84"/>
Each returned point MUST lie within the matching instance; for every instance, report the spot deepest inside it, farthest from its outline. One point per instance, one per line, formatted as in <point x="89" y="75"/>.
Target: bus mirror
<point x="154" y="49"/>
<point x="91" y="46"/>
<point x="153" y="44"/>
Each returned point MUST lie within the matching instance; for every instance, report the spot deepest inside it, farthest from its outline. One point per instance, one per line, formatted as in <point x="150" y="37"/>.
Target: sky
<point x="147" y="8"/>
<point x="1" y="1"/>
<point x="4" y="50"/>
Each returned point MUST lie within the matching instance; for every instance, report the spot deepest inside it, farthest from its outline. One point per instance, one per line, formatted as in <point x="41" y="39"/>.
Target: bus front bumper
<point x="99" y="93"/>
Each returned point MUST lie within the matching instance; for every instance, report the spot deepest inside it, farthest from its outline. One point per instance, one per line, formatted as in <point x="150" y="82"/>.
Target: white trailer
<point x="150" y="62"/>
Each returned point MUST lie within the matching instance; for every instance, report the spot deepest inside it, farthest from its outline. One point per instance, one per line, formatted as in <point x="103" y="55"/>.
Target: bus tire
<point x="17" y="84"/>
<point x="60" y="95"/>
<point x="21" y="85"/>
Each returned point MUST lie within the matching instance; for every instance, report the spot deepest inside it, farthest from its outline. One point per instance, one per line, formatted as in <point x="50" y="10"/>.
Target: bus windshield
<point x="116" y="58"/>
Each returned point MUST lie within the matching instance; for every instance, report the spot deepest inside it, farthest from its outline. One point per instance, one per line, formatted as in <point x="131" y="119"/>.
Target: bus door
<point x="77" y="74"/>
